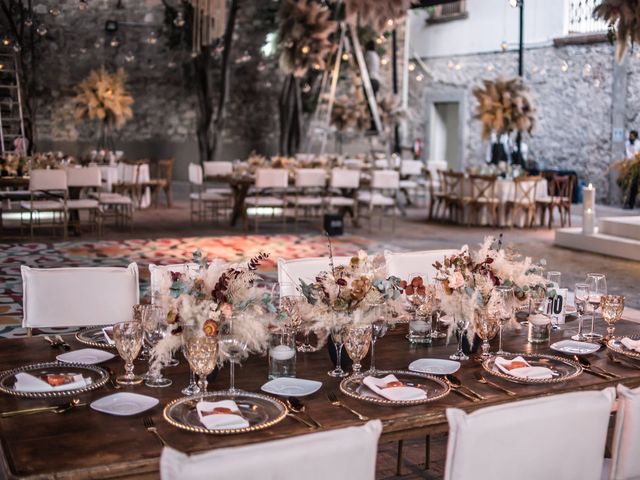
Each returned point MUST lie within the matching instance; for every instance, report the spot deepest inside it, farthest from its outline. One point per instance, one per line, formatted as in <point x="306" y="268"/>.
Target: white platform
<point x="627" y="227"/>
<point x="605" y="244"/>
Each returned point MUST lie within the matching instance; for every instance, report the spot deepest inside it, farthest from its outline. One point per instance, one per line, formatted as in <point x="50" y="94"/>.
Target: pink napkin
<point x="221" y="421"/>
<point x="379" y="386"/>
<point x="537" y="373"/>
<point x="26" y="382"/>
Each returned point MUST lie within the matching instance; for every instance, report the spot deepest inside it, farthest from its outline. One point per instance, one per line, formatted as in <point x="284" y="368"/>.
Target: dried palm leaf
<point x="377" y="13"/>
<point x="624" y="17"/>
<point x="305" y="36"/>
<point x="348" y="114"/>
<point x="504" y="106"/>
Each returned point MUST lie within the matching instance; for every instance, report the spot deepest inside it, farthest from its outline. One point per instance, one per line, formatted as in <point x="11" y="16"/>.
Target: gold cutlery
<point x="599" y="372"/>
<point x="457" y="390"/>
<point x="298" y="407"/>
<point x="112" y="374"/>
<point x="53" y="409"/>
<point x="333" y="400"/>
<point x="458" y="383"/>
<point x="483" y="380"/>
<point x="150" y="426"/>
<point x="291" y="414"/>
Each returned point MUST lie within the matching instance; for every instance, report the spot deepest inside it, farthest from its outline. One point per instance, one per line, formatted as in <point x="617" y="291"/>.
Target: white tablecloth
<point x="124" y="172"/>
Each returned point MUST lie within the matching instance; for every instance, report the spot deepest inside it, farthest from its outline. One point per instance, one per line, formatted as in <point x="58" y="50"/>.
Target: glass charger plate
<point x="434" y="387"/>
<point x="615" y="346"/>
<point x="94" y="336"/>
<point x="97" y="376"/>
<point x="261" y="411"/>
<point x="564" y="368"/>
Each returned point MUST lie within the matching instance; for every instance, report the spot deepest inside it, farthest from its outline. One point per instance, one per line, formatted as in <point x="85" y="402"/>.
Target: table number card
<point x="557" y="305"/>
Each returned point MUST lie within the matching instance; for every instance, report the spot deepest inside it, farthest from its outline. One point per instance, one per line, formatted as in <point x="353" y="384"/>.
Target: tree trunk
<point x="290" y="116"/>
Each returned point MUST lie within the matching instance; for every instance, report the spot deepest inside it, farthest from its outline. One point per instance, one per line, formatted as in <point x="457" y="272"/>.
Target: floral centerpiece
<point x="210" y="294"/>
<point x="469" y="278"/>
<point x="346" y="294"/>
<point x="10" y="164"/>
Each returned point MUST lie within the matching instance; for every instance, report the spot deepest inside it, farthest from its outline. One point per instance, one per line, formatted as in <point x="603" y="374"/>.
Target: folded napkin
<point x="29" y="383"/>
<point x="218" y="415"/>
<point x="525" y="371"/>
<point x="631" y="344"/>
<point x="395" y="393"/>
<point x="108" y="335"/>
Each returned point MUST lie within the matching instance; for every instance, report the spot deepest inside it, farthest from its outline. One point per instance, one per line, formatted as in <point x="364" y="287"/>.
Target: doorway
<point x="445" y="134"/>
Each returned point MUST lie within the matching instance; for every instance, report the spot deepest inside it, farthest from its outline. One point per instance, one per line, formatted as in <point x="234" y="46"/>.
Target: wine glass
<point x="581" y="296"/>
<point x="232" y="348"/>
<point x="201" y="351"/>
<point x="128" y="340"/>
<point x="141" y="313"/>
<point x="357" y="342"/>
<point x="612" y="307"/>
<point x="379" y="328"/>
<point x="504" y="310"/>
<point x="462" y="324"/>
<point x="155" y="329"/>
<point x="597" y="287"/>
<point x="437" y="301"/>
<point x="486" y="326"/>
<point x="338" y="333"/>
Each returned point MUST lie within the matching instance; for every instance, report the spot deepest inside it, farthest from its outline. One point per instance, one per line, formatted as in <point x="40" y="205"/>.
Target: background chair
<point x="218" y="171"/>
<point x="519" y="440"/>
<point x="270" y="188"/>
<point x="483" y="197"/>
<point x="290" y="272"/>
<point x="523" y="200"/>
<point x="204" y="204"/>
<point x="85" y="180"/>
<point x="342" y="189"/>
<point x="412" y="180"/>
<point x="453" y="195"/>
<point x="403" y="264"/>
<point x="341" y="454"/>
<point x="560" y="193"/>
<point x="310" y="186"/>
<point x="161" y="179"/>
<point x="51" y="184"/>
<point x="625" y="458"/>
<point x="382" y="195"/>
<point x="78" y="297"/>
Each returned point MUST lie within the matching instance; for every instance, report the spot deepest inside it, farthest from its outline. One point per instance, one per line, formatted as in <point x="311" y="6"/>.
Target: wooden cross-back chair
<point x="524" y="199"/>
<point x="483" y="195"/>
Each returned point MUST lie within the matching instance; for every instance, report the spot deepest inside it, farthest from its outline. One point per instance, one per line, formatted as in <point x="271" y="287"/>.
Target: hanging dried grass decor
<point x="381" y="15"/>
<point x="623" y="16"/>
<point x="305" y="36"/>
<point x="208" y="22"/>
<point x="504" y="106"/>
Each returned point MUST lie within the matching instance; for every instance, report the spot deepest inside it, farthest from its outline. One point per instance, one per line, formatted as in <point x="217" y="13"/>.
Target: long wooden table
<point x="87" y="444"/>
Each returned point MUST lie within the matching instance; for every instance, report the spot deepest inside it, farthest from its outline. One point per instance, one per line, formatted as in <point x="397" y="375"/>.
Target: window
<point x="581" y="17"/>
<point x="448" y="12"/>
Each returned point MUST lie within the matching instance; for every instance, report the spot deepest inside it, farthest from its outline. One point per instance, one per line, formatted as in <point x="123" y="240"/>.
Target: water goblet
<point x="504" y="310"/>
<point x="232" y="348"/>
<point x="357" y="342"/>
<point x="379" y="328"/>
<point x="597" y="287"/>
<point x="338" y="334"/>
<point x="437" y="301"/>
<point x="128" y="340"/>
<point x="201" y="351"/>
<point x="486" y="326"/>
<point x="141" y="312"/>
<point x="581" y="300"/>
<point x="155" y="329"/>
<point x="612" y="307"/>
<point x="462" y="324"/>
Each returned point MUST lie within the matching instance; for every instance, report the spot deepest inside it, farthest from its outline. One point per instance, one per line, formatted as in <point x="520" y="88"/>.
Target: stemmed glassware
<point x="437" y="300"/>
<point x="232" y="348"/>
<point x="357" y="342"/>
<point x="338" y="334"/>
<point x="504" y="310"/>
<point x="597" y="287"/>
<point x="462" y="324"/>
<point x="486" y="326"/>
<point x="612" y="307"/>
<point x="128" y="340"/>
<point x="379" y="328"/>
<point x="141" y="312"/>
<point x="581" y="299"/>
<point x="155" y="329"/>
<point x="201" y="351"/>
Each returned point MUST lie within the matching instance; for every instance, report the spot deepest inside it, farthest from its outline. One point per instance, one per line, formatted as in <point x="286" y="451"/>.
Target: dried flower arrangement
<point x="349" y="114"/>
<point x="379" y="14"/>
<point x="504" y="106"/>
<point x="623" y="16"/>
<point x="628" y="170"/>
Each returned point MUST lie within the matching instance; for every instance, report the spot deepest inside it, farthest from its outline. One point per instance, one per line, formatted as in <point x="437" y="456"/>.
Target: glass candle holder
<point x="282" y="354"/>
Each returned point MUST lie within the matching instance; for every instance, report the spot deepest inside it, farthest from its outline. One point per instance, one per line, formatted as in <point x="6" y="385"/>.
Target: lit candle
<point x="282" y="352"/>
<point x="589" y="198"/>
<point x="588" y="222"/>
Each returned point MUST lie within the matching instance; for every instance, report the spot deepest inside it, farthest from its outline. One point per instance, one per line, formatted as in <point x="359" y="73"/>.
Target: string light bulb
<point x="412" y="67"/>
<point x="54" y="12"/>
<point x="6" y="41"/>
<point x="345" y="56"/>
<point x="305" y="49"/>
<point x="28" y="21"/>
<point x="114" y="43"/>
<point x="419" y="77"/>
<point x="179" y="20"/>
<point x="587" y="69"/>
<point x="384" y="60"/>
<point x="41" y="30"/>
<point x="564" y="67"/>
<point x="390" y="22"/>
<point x="458" y="66"/>
<point x="152" y="39"/>
<point x="504" y="45"/>
<point x="490" y="67"/>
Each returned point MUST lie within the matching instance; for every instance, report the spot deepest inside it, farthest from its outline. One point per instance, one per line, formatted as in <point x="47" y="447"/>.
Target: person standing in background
<point x="372" y="59"/>
<point x="632" y="145"/>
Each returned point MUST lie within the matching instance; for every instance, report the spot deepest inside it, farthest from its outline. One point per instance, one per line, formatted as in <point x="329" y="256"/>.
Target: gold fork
<point x="333" y="399"/>
<point x="150" y="426"/>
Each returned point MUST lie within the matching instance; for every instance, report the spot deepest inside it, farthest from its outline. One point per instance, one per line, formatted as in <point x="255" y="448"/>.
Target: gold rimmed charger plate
<point x="261" y="411"/>
<point x="566" y="369"/>
<point x="615" y="346"/>
<point x="94" y="337"/>
<point x="435" y="388"/>
<point x="98" y="376"/>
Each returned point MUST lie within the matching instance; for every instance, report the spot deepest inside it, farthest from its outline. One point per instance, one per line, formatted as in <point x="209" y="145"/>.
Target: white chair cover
<point x="343" y="178"/>
<point x="90" y="176"/>
<point x="403" y="264"/>
<point x="195" y="174"/>
<point x="75" y="297"/>
<point x="625" y="452"/>
<point x="217" y="169"/>
<point x="385" y="179"/>
<point x="41" y="179"/>
<point x="290" y="272"/>
<point x="411" y="167"/>
<point x="342" y="454"/>
<point x="556" y="437"/>
<point x="310" y="177"/>
<point x="272" y="178"/>
<point x="159" y="283"/>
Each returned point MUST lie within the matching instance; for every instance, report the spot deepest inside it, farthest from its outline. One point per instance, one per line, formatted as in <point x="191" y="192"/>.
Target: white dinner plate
<point x="291" y="387"/>
<point x="89" y="356"/>
<point x="124" y="404"/>
<point x="572" y="347"/>
<point x="434" y="366"/>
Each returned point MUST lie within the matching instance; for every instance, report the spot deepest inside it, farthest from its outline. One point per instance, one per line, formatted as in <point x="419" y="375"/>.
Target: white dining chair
<point x="343" y="181"/>
<point x="412" y="179"/>
<point x="555" y="437"/>
<point x="80" y="296"/>
<point x="159" y="283"/>
<point x="382" y="195"/>
<point x="218" y="170"/>
<point x="268" y="196"/>
<point x="341" y="454"/>
<point x="86" y="179"/>
<point x="204" y="204"/>
<point x="290" y="272"/>
<point x="403" y="264"/>
<point x="53" y="184"/>
<point x="625" y="449"/>
<point x="310" y="185"/>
